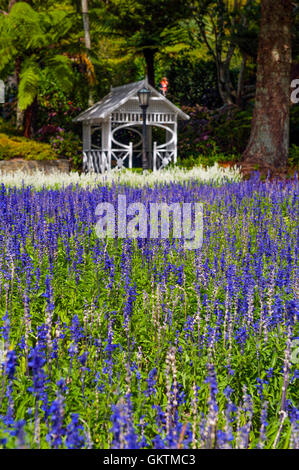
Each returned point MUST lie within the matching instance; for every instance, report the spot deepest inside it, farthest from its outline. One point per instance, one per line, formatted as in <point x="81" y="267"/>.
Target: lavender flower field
<point x="132" y="344"/>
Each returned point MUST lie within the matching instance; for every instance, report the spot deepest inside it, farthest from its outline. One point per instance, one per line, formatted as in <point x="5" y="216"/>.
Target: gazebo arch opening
<point x="112" y="130"/>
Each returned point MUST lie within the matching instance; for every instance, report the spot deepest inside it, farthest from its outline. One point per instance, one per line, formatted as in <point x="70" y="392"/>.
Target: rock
<point x="29" y="166"/>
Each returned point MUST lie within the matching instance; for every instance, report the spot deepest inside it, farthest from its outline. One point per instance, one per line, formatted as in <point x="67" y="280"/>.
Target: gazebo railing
<point x="102" y="160"/>
<point x="136" y="117"/>
<point x="162" y="157"/>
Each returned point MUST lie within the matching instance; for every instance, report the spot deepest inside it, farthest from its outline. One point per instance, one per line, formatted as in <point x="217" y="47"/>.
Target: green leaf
<point x="29" y="80"/>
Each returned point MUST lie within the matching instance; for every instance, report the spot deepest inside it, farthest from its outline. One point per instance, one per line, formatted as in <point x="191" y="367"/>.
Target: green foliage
<point x="38" y="41"/>
<point x="207" y="160"/>
<point x="217" y="135"/>
<point x="229" y="31"/>
<point x="231" y="129"/>
<point x="145" y="25"/>
<point x="68" y="145"/>
<point x="6" y="127"/>
<point x="20" y="147"/>
<point x="294" y="155"/>
<point x="193" y="82"/>
<point x="144" y="28"/>
<point x="28" y="86"/>
<point x="245" y="34"/>
<point x="46" y="38"/>
<point x="222" y="134"/>
<point x="57" y="108"/>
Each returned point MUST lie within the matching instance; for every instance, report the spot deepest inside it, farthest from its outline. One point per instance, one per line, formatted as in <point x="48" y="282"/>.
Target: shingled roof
<point x="118" y="96"/>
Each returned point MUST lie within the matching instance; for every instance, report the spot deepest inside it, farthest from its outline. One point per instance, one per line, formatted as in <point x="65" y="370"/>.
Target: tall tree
<point x="37" y="43"/>
<point x="85" y="15"/>
<point x="227" y="28"/>
<point x="269" y="139"/>
<point x="19" y="112"/>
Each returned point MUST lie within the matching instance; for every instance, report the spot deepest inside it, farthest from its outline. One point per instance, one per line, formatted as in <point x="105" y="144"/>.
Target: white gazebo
<point x="120" y="110"/>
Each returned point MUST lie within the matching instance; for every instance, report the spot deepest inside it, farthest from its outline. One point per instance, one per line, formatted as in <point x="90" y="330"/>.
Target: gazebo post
<point x="155" y="156"/>
<point x="107" y="139"/>
<point x="168" y="137"/>
<point x="150" y="147"/>
<point x="86" y="142"/>
<point x="175" y="144"/>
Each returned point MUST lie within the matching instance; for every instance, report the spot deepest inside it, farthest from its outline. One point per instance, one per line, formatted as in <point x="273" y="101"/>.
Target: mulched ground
<point x="266" y="170"/>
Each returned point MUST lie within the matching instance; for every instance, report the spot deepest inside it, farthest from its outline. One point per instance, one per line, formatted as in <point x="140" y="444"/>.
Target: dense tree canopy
<point x="146" y="27"/>
<point x="77" y="49"/>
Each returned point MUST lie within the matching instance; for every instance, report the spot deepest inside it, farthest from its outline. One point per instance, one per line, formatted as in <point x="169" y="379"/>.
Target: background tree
<point x="20" y="113"/>
<point x="38" y="42"/>
<point x="86" y="27"/>
<point x="228" y="28"/>
<point x="146" y="27"/>
<point x="269" y="139"/>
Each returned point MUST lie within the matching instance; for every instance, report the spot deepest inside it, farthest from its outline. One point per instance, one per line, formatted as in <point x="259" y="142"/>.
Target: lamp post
<point x="143" y="96"/>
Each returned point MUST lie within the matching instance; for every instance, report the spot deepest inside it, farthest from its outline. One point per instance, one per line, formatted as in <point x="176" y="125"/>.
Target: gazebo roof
<point x="119" y="96"/>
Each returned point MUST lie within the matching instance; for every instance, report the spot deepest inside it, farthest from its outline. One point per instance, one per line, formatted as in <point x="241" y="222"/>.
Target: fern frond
<point x="59" y="68"/>
<point x="29" y="81"/>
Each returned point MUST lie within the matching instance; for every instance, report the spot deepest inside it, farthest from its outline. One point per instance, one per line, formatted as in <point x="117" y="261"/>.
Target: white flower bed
<point x="39" y="179"/>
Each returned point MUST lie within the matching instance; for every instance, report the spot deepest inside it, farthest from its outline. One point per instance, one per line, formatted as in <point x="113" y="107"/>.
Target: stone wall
<point x="29" y="166"/>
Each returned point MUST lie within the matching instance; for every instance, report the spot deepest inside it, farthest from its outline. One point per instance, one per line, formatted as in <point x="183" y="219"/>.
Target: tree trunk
<point x="29" y="119"/>
<point x="27" y="122"/>
<point x="18" y="63"/>
<point x="19" y="118"/>
<point x="85" y="15"/>
<point x="269" y="139"/>
<point x="225" y="87"/>
<point x="86" y="23"/>
<point x="240" y="89"/>
<point x="11" y="4"/>
<point x="149" y="55"/>
<point x="19" y="112"/>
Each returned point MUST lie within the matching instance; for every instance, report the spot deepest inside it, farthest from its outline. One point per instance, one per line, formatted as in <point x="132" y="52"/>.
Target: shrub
<point x="20" y="147"/>
<point x="56" y="108"/>
<point x="8" y="128"/>
<point x="193" y="80"/>
<point x="211" y="133"/>
<point x="294" y="155"/>
<point x="230" y="127"/>
<point x="206" y="160"/>
<point x="220" y="135"/>
<point x="68" y="145"/>
<point x="195" y="135"/>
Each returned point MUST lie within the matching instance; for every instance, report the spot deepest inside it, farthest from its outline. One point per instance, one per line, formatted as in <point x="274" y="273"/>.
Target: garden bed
<point x="127" y="343"/>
